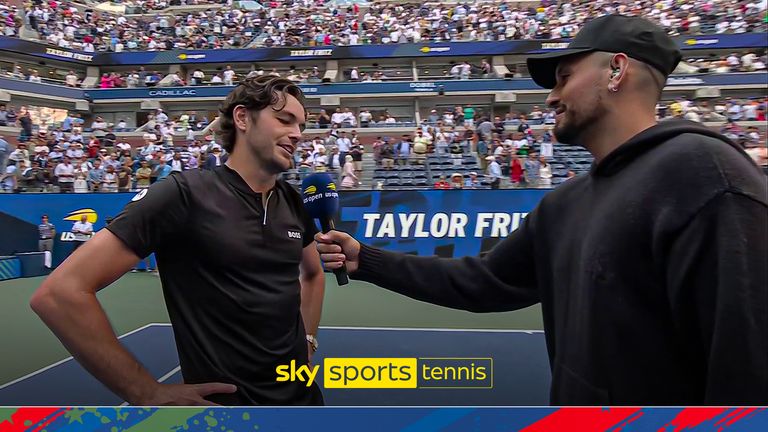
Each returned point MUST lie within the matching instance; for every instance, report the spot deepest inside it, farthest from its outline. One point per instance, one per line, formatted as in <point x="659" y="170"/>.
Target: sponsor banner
<point x="445" y="223"/>
<point x="43" y="50"/>
<point x="447" y="419"/>
<point x="455" y="49"/>
<point x="687" y="43"/>
<point x="454" y="86"/>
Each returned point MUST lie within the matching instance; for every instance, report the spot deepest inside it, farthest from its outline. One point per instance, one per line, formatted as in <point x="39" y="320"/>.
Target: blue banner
<point x="445" y="223"/>
<point x="60" y="91"/>
<point x="44" y="50"/>
<point x="414" y="87"/>
<point x="451" y="49"/>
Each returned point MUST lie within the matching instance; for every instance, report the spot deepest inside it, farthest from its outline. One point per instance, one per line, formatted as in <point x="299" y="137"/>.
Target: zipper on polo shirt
<point x="266" y="206"/>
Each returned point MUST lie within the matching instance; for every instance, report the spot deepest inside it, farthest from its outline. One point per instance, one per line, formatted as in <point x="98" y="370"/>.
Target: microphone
<point x="322" y="202"/>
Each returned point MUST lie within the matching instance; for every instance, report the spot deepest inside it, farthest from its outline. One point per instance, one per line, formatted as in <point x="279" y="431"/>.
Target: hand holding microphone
<point x="322" y="202"/>
<point x="338" y="249"/>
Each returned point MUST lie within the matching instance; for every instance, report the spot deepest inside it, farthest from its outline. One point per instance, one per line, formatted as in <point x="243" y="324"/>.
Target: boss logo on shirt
<point x="140" y="195"/>
<point x="294" y="234"/>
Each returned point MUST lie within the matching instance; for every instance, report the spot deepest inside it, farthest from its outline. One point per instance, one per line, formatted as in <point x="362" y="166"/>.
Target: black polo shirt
<point x="229" y="265"/>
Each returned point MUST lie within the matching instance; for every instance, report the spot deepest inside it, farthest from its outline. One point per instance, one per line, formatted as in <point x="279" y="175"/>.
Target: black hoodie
<point x="652" y="273"/>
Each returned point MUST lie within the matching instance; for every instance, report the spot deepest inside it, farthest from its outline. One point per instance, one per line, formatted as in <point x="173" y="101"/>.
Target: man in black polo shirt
<point x="241" y="276"/>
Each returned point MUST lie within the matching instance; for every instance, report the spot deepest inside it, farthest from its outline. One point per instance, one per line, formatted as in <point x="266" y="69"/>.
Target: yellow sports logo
<point x="77" y="214"/>
<point x="311" y="190"/>
<point x="403" y="373"/>
<point x="332" y="186"/>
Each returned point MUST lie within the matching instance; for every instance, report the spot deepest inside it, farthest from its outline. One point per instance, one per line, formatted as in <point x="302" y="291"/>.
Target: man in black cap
<point x="651" y="269"/>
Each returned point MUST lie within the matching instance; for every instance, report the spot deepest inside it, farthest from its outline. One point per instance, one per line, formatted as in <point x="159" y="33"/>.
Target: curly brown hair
<point x="255" y="94"/>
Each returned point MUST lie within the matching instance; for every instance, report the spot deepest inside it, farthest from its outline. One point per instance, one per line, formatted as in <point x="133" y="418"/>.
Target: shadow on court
<point x="521" y="373"/>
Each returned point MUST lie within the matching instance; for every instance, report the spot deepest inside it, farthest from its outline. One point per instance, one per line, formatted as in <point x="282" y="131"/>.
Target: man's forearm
<point x="82" y="326"/>
<point x="312" y="293"/>
<point x="503" y="281"/>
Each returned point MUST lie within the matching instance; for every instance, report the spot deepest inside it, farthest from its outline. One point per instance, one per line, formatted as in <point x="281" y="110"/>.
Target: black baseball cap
<point x="636" y="37"/>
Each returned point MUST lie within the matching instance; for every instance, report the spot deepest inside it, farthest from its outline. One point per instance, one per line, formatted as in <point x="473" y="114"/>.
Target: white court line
<point x="169" y="374"/>
<point x="60" y="362"/>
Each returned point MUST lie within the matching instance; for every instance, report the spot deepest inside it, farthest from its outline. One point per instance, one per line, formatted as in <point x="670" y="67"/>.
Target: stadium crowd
<point x="507" y="151"/>
<point x="747" y="61"/>
<point x="317" y="22"/>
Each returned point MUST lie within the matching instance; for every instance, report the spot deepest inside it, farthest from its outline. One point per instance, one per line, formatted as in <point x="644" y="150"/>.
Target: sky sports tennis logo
<point x="402" y="373"/>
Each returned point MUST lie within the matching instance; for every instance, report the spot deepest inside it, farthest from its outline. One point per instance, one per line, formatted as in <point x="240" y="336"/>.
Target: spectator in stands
<point x="3" y="115"/>
<point x="34" y="77"/>
<point x="320" y="161"/>
<point x="99" y="124"/>
<point x="387" y="152"/>
<point x="229" y="76"/>
<point x="472" y="182"/>
<point x="162" y="169"/>
<point x="323" y="120"/>
<point x="337" y="118"/>
<point x="403" y="149"/>
<point x="25" y="122"/>
<point x="109" y="180"/>
<point x="64" y="172"/>
<point x="484" y="129"/>
<point x="356" y="152"/>
<point x="349" y="178"/>
<point x="30" y="178"/>
<point x="494" y="172"/>
<point x="420" y="147"/>
<point x="334" y="161"/>
<point x="457" y="181"/>
<point x="365" y="118"/>
<point x="465" y="70"/>
<point x="545" y="173"/>
<point x="96" y="176"/>
<point x="177" y="165"/>
<point x="198" y="76"/>
<point x="485" y="69"/>
<point x="348" y="119"/>
<point x="215" y="159"/>
<point x="345" y="146"/>
<point x="9" y="177"/>
<point x="532" y="169"/>
<point x="177" y="80"/>
<point x="354" y="74"/>
<point x="443" y="184"/>
<point x="5" y="151"/>
<point x="143" y="175"/>
<point x="20" y="154"/>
